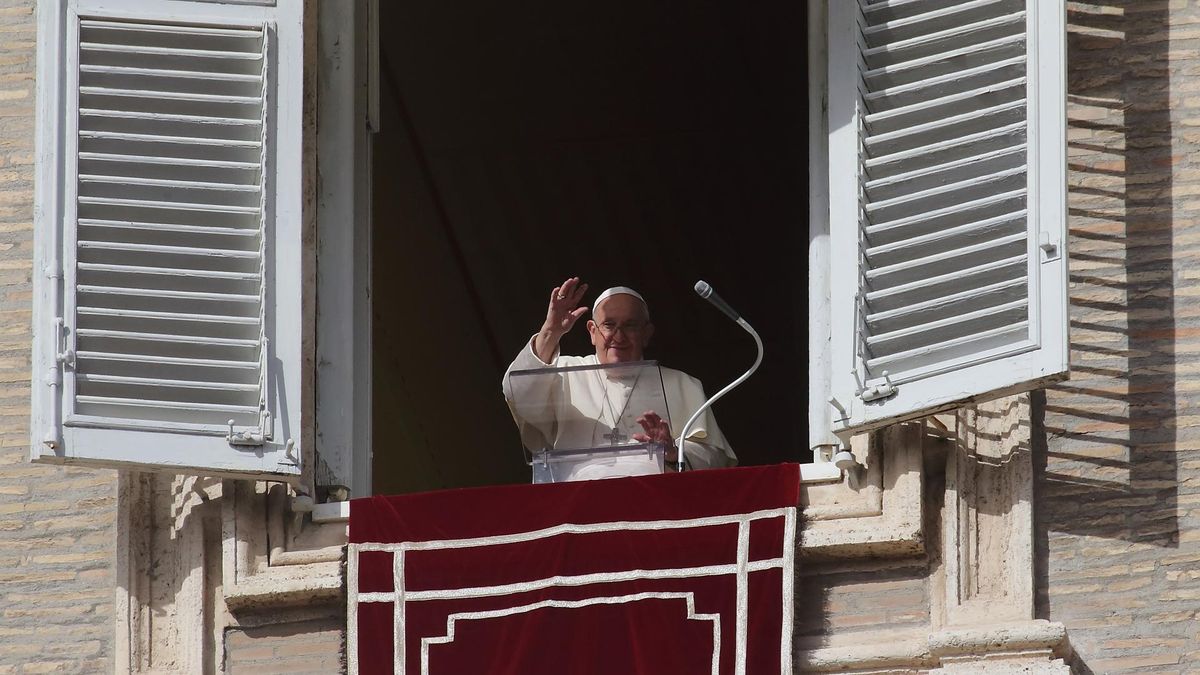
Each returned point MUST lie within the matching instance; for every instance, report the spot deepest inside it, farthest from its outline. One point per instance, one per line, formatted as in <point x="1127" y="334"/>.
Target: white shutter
<point x="947" y="203"/>
<point x="169" y="315"/>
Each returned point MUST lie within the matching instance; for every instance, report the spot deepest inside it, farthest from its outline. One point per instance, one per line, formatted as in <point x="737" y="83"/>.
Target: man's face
<point x="620" y="329"/>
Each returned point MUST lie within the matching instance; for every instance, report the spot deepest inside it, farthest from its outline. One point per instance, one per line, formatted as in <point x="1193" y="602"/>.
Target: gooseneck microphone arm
<point x="704" y="290"/>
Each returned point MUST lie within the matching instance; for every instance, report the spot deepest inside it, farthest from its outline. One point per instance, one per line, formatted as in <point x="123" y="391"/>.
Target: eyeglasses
<point x="609" y="328"/>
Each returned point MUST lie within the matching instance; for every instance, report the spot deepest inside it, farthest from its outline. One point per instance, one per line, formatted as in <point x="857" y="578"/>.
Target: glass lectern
<point x="579" y="422"/>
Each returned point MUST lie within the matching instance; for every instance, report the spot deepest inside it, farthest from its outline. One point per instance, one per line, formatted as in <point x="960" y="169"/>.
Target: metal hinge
<point x="1050" y="248"/>
<point x="63" y="354"/>
<point x="876" y="391"/>
<point x="257" y="436"/>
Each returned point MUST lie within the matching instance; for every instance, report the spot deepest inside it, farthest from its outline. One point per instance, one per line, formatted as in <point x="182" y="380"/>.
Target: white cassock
<point x="583" y="409"/>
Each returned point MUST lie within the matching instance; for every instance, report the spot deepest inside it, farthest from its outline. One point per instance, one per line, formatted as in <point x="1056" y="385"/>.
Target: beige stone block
<point x="30" y="577"/>
<point x="1069" y="589"/>
<point x="30" y="507"/>
<point x="1126" y="603"/>
<point x="96" y="575"/>
<point x="46" y="667"/>
<point x="1173" y="617"/>
<point x="1188" y="575"/>
<point x="1144" y="642"/>
<point x="76" y="522"/>
<point x="1143" y="568"/>
<point x="316" y="646"/>
<point x="1111" y="571"/>
<point x="253" y="653"/>
<point x="1181" y="559"/>
<point x="1131" y="662"/>
<point x="63" y="614"/>
<point x="1100" y="622"/>
<point x="71" y="558"/>
<point x="1175" y="594"/>
<point x="48" y="597"/>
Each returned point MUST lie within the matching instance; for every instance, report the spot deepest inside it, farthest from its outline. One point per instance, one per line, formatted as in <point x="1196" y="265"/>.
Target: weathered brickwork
<point x="57" y="526"/>
<point x="1118" y="519"/>
<point x="313" y="647"/>
<point x="844" y="598"/>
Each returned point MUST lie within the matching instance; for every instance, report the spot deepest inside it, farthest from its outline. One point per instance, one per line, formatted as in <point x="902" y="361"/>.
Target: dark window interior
<point x="628" y="142"/>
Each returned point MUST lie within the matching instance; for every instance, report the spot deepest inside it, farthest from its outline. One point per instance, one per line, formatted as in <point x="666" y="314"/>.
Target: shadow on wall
<point x="1111" y="431"/>
<point x="1107" y="463"/>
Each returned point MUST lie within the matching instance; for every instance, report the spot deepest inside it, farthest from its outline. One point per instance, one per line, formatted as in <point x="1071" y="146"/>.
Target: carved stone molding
<point x="980" y="557"/>
<point x="198" y="557"/>
<point x="272" y="556"/>
<point x="987" y="517"/>
<point x="1026" y="647"/>
<point x="167" y="621"/>
<point x="875" y="511"/>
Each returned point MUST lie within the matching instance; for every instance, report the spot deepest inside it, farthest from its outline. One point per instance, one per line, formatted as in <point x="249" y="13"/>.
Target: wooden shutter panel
<point x="947" y="201"/>
<point x="175" y="342"/>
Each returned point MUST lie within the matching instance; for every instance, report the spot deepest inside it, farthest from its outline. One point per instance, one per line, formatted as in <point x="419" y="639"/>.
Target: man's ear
<point x="591" y="327"/>
<point x="647" y="334"/>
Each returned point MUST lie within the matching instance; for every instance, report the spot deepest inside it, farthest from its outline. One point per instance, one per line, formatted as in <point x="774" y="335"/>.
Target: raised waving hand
<point x="562" y="313"/>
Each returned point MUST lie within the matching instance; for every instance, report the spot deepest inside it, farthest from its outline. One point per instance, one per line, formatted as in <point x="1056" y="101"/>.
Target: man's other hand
<point x="657" y="431"/>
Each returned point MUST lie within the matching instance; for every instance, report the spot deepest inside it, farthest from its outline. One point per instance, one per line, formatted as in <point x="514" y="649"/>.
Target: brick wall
<point x="836" y="601"/>
<point x="57" y="527"/>
<point x="1118" y="531"/>
<point x="302" y="647"/>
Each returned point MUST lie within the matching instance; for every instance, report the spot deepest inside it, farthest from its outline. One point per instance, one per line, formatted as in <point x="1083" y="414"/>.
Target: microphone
<point x="704" y="290"/>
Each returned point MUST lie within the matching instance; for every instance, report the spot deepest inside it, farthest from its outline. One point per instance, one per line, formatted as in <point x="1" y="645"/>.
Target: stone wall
<point x="57" y="526"/>
<point x="1118" y="487"/>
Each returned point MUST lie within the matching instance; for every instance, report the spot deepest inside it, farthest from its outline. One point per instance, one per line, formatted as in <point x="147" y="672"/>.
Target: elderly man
<point x="619" y="329"/>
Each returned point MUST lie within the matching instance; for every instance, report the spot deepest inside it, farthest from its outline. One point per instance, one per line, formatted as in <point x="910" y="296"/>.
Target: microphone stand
<point x="687" y="428"/>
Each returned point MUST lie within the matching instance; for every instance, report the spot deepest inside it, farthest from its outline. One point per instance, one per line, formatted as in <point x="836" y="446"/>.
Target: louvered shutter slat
<point x="149" y="409"/>
<point x="931" y="354"/>
<point x="935" y="220"/>
<point x="930" y="177"/>
<point x="170" y="271"/>
<point x="912" y="333"/>
<point x="165" y="227"/>
<point x="944" y="239"/>
<point x="151" y="293"/>
<point x="136" y="359"/>
<point x="169" y="316"/>
<point x="146" y="239"/>
<point x="937" y="105"/>
<point x="162" y="382"/>
<point x="947" y="84"/>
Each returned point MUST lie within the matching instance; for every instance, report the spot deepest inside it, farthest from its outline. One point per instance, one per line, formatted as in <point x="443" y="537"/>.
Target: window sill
<point x="876" y="509"/>
<point x="332" y="512"/>
<point x="819" y="472"/>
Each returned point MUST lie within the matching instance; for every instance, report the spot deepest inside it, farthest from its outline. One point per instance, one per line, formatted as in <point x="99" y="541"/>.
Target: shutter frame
<point x="1013" y="366"/>
<point x="185" y="444"/>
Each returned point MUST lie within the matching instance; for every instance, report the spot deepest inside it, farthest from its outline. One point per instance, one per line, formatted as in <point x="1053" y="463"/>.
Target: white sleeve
<point x="705" y="447"/>
<point x="530" y="391"/>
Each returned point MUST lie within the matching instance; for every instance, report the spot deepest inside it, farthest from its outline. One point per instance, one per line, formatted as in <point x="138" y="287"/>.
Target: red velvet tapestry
<point x="678" y="573"/>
